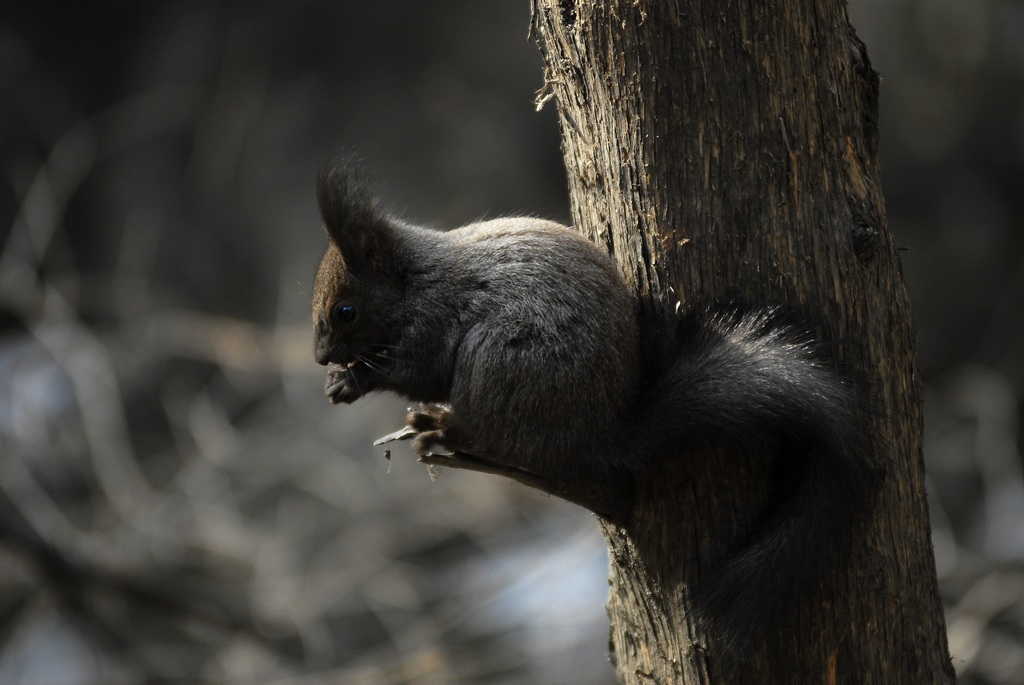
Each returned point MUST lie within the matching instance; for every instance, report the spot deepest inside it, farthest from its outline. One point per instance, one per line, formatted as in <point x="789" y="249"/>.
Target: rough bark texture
<point x="728" y="150"/>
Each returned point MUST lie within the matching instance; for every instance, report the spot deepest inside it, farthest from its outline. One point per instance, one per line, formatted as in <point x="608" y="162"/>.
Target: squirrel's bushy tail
<point x="747" y="378"/>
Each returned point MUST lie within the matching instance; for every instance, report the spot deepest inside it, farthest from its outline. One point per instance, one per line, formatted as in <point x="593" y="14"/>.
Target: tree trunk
<point x="728" y="150"/>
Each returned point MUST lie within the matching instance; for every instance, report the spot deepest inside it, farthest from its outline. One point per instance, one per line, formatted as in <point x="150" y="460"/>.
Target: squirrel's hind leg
<point x="436" y="424"/>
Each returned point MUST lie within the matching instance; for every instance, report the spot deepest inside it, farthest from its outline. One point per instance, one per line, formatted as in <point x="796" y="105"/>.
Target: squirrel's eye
<point x="344" y="313"/>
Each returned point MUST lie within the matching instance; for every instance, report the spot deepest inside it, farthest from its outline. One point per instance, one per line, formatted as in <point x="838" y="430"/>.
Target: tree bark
<point x="728" y="150"/>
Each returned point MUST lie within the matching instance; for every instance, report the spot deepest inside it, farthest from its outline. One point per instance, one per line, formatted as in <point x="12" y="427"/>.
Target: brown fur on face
<point x="330" y="278"/>
<point x="367" y="327"/>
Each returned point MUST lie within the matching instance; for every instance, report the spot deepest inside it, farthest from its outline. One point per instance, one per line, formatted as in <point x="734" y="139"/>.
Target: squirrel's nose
<point x="321" y="351"/>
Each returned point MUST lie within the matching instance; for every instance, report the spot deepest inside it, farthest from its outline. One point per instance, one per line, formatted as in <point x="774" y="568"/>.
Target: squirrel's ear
<point x="350" y="212"/>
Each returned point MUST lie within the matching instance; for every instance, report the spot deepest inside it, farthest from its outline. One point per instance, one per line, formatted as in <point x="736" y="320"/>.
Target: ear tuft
<point x="350" y="212"/>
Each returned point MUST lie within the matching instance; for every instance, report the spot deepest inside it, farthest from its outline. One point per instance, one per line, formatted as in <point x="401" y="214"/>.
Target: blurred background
<point x="179" y="504"/>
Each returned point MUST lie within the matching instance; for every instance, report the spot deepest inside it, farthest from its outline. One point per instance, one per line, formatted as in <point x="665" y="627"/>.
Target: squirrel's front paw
<point x="340" y="386"/>
<point x="435" y="425"/>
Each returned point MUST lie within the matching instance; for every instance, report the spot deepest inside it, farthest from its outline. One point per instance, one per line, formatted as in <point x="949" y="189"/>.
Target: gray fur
<point x="526" y="331"/>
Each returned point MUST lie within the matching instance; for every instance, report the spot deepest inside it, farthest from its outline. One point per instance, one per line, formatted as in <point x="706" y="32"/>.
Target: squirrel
<point x="520" y="339"/>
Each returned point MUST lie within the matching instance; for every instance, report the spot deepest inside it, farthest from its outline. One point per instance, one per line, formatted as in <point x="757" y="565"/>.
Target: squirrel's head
<point x="357" y="291"/>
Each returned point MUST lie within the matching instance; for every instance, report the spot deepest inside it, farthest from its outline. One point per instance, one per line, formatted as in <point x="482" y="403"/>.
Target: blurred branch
<point x="971" y="619"/>
<point x="230" y="343"/>
<point x="87" y="588"/>
<point x="87" y="364"/>
<point x="126" y="123"/>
